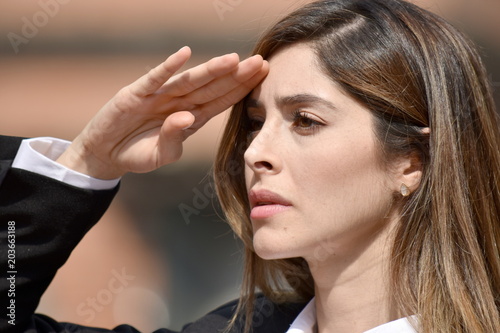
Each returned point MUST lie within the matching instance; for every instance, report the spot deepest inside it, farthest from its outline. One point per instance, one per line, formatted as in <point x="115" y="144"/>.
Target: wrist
<point x="82" y="159"/>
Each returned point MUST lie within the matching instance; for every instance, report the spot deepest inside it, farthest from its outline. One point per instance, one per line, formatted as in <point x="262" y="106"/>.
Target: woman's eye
<point x="302" y="121"/>
<point x="253" y="128"/>
<point x="255" y="125"/>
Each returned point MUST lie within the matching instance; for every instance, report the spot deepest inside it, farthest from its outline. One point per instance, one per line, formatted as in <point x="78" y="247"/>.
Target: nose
<point x="261" y="155"/>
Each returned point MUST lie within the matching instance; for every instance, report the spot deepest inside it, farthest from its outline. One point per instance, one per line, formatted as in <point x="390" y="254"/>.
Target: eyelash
<point x="312" y="125"/>
<point x="254" y="125"/>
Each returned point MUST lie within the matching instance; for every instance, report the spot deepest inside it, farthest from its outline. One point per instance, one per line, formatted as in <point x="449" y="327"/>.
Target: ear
<point x="407" y="170"/>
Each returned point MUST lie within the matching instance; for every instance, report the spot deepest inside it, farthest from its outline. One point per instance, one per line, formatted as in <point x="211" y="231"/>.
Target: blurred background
<point x="162" y="255"/>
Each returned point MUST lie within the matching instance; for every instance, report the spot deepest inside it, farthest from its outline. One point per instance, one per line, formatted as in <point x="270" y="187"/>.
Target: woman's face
<point x="313" y="172"/>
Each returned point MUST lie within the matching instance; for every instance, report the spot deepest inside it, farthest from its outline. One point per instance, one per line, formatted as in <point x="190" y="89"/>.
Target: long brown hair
<point x="412" y="70"/>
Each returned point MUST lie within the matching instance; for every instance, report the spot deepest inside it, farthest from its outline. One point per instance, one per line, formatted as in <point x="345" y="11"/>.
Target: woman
<point x="376" y="132"/>
<point x="361" y="173"/>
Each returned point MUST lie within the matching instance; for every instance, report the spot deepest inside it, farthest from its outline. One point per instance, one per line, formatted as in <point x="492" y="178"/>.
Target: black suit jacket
<point x="50" y="219"/>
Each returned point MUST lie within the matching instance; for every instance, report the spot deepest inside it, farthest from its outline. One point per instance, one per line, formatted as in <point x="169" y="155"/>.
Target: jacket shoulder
<point x="9" y="146"/>
<point x="268" y="317"/>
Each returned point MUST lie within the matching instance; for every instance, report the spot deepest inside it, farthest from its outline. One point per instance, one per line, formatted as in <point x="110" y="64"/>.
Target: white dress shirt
<point x="39" y="155"/>
<point x="306" y="323"/>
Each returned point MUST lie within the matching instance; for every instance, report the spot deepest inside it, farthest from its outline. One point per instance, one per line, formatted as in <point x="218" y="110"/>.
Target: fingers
<point x="155" y="78"/>
<point x="221" y="93"/>
<point x="225" y="101"/>
<point x="200" y="75"/>
<point x="223" y="85"/>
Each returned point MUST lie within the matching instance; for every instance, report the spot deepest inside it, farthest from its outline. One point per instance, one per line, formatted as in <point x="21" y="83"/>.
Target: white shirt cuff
<point x="39" y="155"/>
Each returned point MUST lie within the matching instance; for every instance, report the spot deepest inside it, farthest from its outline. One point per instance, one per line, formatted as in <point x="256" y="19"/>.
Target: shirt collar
<point x="306" y="323"/>
<point x="306" y="320"/>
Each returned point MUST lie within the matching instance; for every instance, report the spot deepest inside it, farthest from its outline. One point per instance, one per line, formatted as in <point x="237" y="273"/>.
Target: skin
<point x="144" y="125"/>
<point x="315" y="147"/>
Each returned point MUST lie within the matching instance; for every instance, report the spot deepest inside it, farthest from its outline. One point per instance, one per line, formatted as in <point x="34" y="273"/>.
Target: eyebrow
<point x="304" y="98"/>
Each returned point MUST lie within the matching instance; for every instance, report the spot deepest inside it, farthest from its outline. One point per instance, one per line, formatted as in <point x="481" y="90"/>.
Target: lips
<point x="265" y="203"/>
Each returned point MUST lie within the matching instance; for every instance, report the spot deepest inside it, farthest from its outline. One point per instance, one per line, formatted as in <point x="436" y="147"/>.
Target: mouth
<point x="266" y="197"/>
<point x="264" y="204"/>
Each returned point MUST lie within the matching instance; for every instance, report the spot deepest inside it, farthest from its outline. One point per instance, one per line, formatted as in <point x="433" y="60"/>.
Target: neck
<point x="352" y="291"/>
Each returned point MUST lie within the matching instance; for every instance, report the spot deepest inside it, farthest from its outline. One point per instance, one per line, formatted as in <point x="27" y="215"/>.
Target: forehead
<point x="295" y="70"/>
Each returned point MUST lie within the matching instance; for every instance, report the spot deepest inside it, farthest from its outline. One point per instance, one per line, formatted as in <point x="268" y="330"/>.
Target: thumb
<point x="172" y="134"/>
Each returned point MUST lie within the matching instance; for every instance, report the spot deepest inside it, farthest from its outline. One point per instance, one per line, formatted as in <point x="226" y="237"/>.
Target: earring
<point x="405" y="191"/>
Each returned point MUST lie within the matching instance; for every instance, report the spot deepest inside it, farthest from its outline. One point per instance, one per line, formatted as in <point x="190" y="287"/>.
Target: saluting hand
<point x="144" y="125"/>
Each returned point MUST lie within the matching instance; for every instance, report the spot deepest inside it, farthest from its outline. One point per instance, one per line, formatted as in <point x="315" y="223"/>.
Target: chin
<point x="270" y="249"/>
<point x="267" y="254"/>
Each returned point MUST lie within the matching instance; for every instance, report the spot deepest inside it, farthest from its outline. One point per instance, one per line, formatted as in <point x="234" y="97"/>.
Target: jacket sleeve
<point x="41" y="222"/>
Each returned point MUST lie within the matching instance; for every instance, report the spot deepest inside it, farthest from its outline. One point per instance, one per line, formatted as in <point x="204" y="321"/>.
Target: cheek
<point x="347" y="200"/>
<point x="343" y="176"/>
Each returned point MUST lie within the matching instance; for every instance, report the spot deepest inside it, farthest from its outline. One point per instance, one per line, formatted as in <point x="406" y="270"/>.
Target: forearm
<point x="46" y="219"/>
